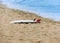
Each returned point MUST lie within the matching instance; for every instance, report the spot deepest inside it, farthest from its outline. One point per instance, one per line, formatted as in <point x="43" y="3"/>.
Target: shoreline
<point x="35" y="12"/>
<point x="39" y="14"/>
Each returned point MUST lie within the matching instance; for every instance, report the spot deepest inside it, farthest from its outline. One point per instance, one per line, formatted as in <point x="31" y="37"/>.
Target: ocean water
<point x="45" y="8"/>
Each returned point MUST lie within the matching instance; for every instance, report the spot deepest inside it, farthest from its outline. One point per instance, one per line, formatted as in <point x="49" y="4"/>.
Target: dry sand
<point x="48" y="31"/>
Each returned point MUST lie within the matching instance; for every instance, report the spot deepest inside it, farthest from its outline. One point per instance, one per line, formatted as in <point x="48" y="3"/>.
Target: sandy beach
<point x="48" y="31"/>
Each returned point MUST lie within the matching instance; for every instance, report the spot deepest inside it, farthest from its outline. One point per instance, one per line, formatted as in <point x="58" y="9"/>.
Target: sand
<point x="48" y="31"/>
